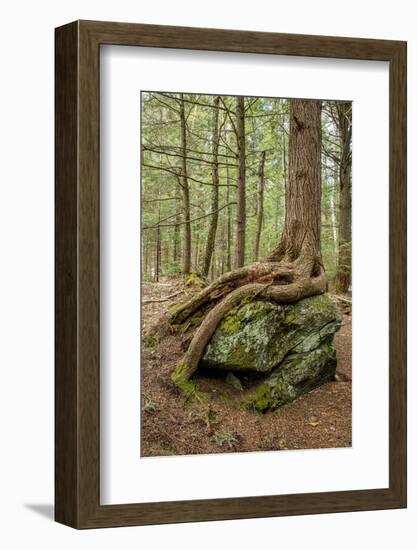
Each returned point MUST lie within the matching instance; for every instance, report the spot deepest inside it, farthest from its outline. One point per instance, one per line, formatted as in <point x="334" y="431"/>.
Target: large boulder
<point x="292" y="343"/>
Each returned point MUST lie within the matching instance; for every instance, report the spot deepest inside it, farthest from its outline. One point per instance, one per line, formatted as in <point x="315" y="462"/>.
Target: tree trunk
<point x="300" y="240"/>
<point x="176" y="250"/>
<point x="223" y="248"/>
<point x="196" y="245"/>
<point x="285" y="179"/>
<point x="333" y="217"/>
<point x="293" y="271"/>
<point x="343" y="277"/>
<point x="157" y="253"/>
<point x="211" y="237"/>
<point x="259" y="207"/>
<point x="145" y="257"/>
<point x="241" y="183"/>
<point x="229" y="224"/>
<point x="186" y="266"/>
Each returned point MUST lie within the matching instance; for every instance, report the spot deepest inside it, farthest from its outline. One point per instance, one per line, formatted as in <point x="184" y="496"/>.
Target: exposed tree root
<point x="227" y="282"/>
<point x="275" y="290"/>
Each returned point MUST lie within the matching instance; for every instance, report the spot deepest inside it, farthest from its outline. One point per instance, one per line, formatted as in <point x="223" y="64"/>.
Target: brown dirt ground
<point x="171" y="425"/>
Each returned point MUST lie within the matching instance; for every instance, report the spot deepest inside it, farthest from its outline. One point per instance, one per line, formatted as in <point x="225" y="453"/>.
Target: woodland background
<point x="214" y="174"/>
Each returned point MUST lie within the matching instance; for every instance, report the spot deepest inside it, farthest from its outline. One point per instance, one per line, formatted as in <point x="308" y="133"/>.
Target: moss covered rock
<point x="290" y="344"/>
<point x="257" y="336"/>
<point x="299" y="373"/>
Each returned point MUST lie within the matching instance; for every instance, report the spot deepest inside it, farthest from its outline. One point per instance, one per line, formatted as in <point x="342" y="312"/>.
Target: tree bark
<point x="300" y="240"/>
<point x="333" y="218"/>
<point x="157" y="253"/>
<point x="284" y="176"/>
<point x="241" y="183"/>
<point x="229" y="224"/>
<point x="343" y="276"/>
<point x="211" y="237"/>
<point x="176" y="250"/>
<point x="196" y="245"/>
<point x="186" y="267"/>
<point x="145" y="257"/>
<point x="259" y="207"/>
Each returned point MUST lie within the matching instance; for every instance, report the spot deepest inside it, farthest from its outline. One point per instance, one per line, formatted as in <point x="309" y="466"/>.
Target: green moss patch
<point x="150" y="341"/>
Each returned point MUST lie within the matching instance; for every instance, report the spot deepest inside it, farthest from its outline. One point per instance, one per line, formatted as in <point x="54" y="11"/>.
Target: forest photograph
<point x="246" y="290"/>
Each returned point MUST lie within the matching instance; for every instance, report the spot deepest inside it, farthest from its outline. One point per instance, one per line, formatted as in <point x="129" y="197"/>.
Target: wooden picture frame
<point x="77" y="382"/>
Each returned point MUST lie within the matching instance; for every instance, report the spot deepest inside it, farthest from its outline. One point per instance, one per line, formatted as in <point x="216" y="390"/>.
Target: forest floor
<point x="173" y="425"/>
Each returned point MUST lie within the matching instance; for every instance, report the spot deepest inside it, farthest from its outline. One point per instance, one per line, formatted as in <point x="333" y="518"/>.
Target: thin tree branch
<point x="146" y="148"/>
<point x="146" y="302"/>
<point x="190" y="221"/>
<point x="145" y="165"/>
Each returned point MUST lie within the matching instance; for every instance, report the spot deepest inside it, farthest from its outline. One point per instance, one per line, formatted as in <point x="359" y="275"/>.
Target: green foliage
<point x="226" y="439"/>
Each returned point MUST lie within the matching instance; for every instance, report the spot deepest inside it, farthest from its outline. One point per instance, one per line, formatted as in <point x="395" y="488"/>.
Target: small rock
<point x="234" y="381"/>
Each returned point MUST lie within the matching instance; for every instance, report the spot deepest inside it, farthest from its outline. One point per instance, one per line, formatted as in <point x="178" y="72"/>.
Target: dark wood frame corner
<point x="77" y="473"/>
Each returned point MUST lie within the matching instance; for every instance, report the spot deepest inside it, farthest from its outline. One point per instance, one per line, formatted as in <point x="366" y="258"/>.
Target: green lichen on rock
<point x="290" y="344"/>
<point x="257" y="336"/>
<point x="299" y="373"/>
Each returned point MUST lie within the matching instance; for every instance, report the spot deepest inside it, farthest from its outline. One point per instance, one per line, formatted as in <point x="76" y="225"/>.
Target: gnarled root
<point x="228" y="282"/>
<point x="302" y="287"/>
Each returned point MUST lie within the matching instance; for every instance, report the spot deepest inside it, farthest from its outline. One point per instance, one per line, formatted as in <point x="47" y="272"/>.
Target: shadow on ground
<point x="45" y="510"/>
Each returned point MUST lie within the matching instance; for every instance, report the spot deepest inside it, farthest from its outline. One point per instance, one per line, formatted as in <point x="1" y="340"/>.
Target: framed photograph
<point x="230" y="274"/>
